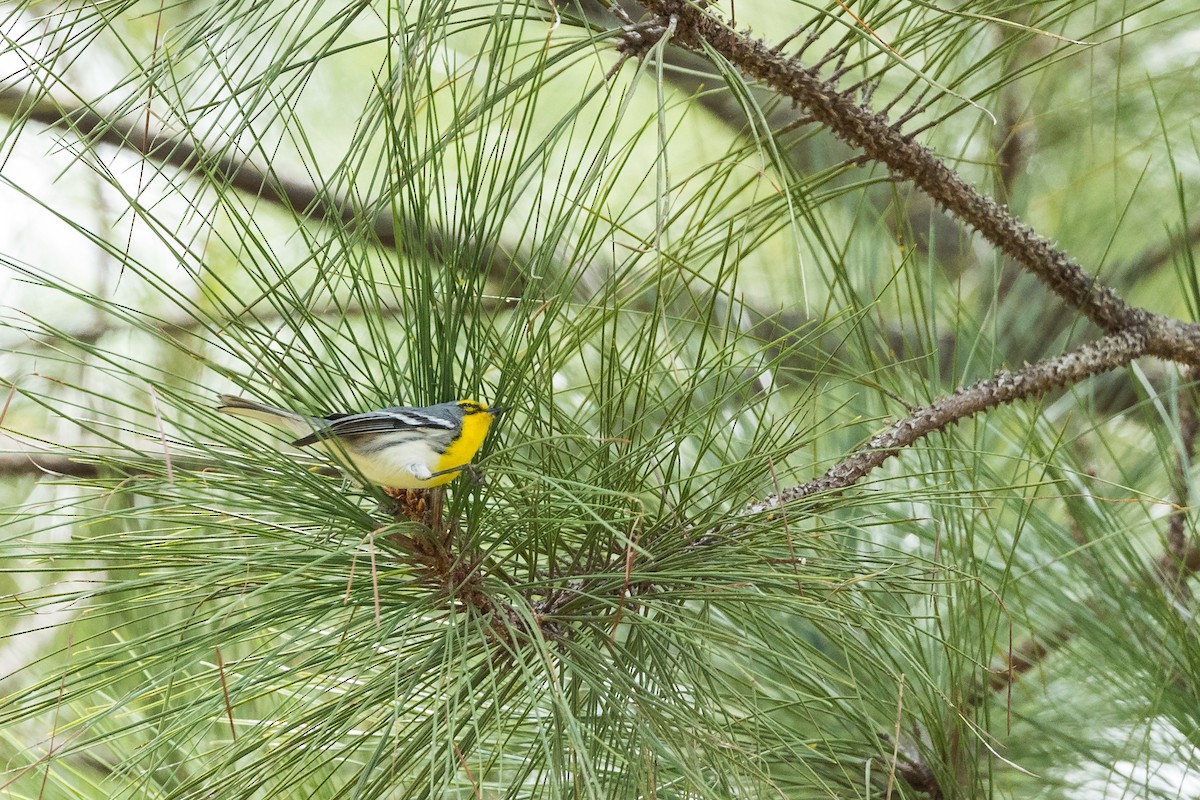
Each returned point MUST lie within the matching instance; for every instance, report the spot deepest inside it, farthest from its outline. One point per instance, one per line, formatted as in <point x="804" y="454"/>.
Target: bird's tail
<point x="298" y="424"/>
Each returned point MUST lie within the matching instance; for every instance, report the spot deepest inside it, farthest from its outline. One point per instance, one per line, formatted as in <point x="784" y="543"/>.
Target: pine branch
<point x="70" y="464"/>
<point x="886" y="144"/>
<point x="1133" y="332"/>
<point x="66" y="463"/>
<point x="1005" y="387"/>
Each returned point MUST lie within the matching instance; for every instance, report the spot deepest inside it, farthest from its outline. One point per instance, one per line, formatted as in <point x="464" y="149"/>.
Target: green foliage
<point x="684" y="311"/>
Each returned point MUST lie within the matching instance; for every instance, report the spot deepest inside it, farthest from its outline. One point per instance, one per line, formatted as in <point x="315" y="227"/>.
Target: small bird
<point x="398" y="447"/>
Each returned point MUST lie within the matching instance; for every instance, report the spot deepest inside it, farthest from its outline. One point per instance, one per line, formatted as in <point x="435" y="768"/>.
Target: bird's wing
<point x="383" y="421"/>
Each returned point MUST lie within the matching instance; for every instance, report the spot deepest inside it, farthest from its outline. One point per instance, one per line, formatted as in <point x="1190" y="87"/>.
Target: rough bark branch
<point x="1132" y="332"/>
<point x="1091" y="359"/>
<point x="884" y="143"/>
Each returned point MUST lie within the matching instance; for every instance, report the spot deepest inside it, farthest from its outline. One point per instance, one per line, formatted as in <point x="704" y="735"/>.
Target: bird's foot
<point x="475" y="474"/>
<point x="414" y="505"/>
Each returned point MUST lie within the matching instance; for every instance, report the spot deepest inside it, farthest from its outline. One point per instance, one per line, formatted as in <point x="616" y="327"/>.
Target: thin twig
<point x="225" y="695"/>
<point x="374" y="578"/>
<point x="67" y="464"/>
<point x="270" y="184"/>
<point x="1022" y="658"/>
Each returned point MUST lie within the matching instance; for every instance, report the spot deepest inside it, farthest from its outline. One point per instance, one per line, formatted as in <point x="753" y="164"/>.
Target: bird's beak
<point x="496" y="411"/>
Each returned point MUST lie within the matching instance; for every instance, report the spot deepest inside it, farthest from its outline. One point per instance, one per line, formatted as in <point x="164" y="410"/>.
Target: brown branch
<point x="68" y="464"/>
<point x="1021" y="659"/>
<point x="1091" y="359"/>
<point x="50" y="465"/>
<point x="298" y="196"/>
<point x="1011" y="144"/>
<point x="457" y="572"/>
<point x="74" y="464"/>
<point x="879" y="141"/>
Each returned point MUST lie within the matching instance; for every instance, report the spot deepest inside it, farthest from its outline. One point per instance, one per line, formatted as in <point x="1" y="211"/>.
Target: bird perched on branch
<point x="399" y="447"/>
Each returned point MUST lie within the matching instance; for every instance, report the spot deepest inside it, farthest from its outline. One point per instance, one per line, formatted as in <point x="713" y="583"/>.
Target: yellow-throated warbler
<point x="399" y="447"/>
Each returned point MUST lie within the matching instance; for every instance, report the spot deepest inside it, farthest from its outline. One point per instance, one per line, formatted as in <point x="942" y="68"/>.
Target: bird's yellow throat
<point x="460" y="452"/>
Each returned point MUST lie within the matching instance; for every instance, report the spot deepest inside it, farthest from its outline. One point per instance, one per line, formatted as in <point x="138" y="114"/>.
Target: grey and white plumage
<point x="386" y="446"/>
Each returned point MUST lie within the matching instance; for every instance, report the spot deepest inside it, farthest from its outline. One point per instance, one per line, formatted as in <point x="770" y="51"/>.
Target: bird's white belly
<point x="387" y="460"/>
